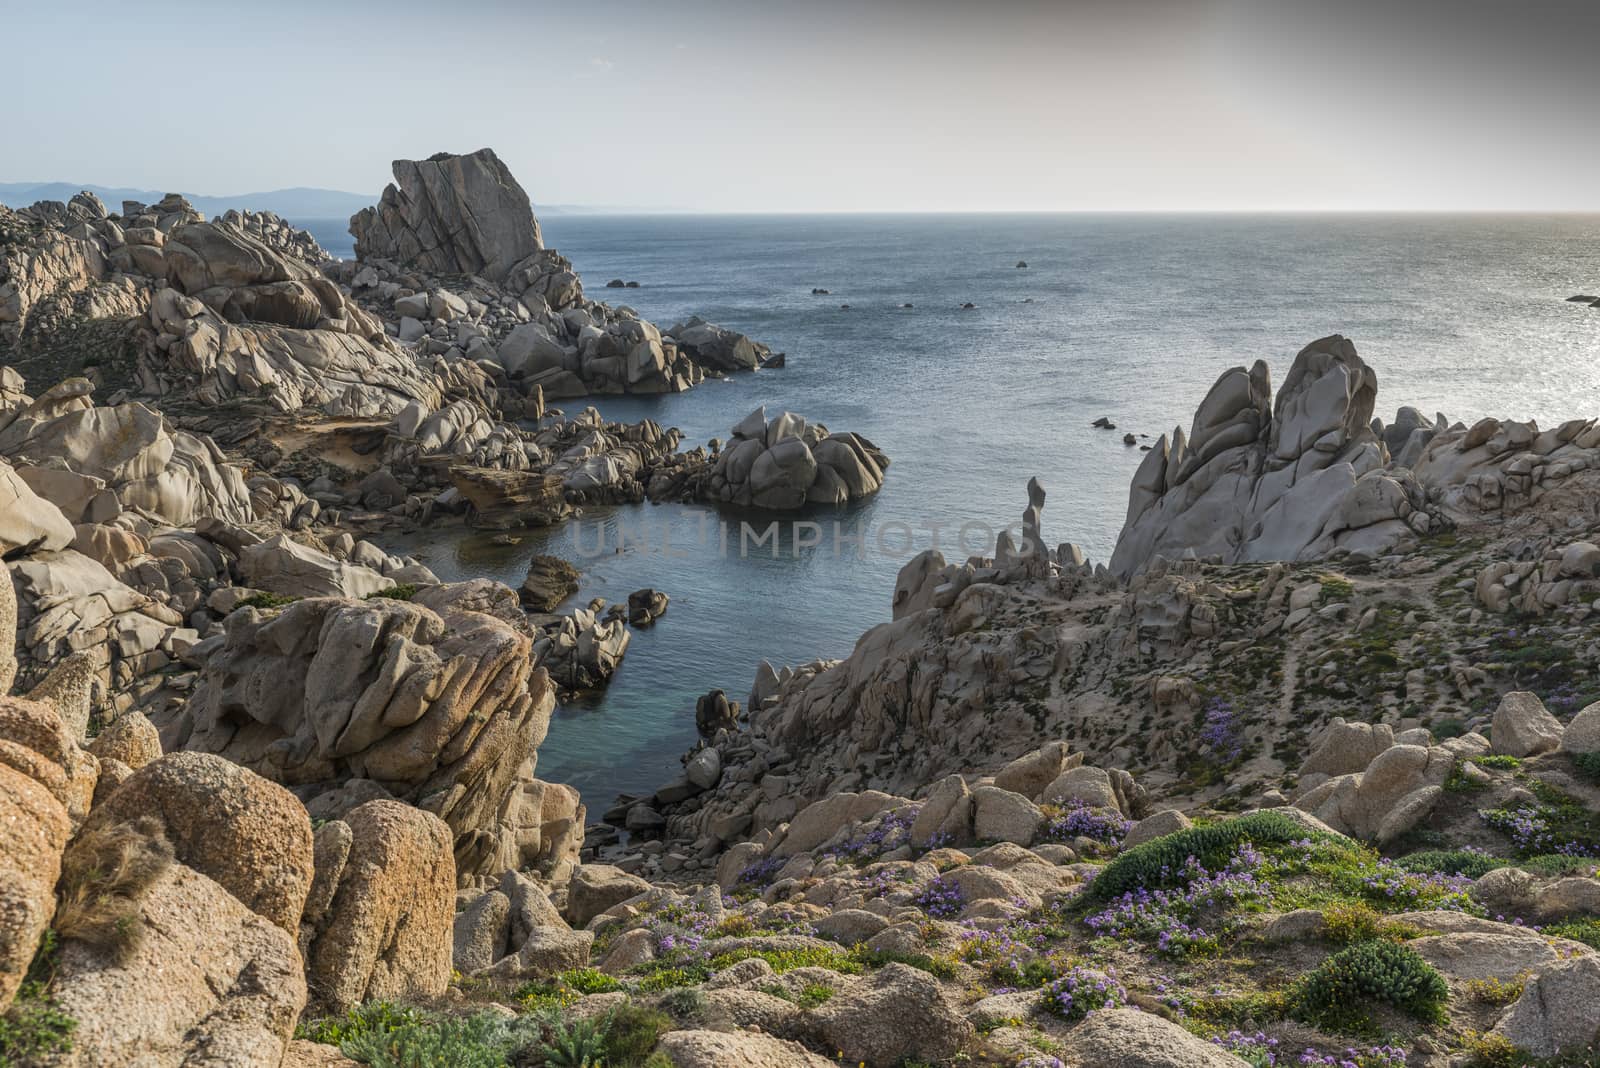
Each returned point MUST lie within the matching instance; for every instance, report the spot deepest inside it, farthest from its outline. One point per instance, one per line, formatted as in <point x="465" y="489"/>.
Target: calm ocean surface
<point x="1130" y="317"/>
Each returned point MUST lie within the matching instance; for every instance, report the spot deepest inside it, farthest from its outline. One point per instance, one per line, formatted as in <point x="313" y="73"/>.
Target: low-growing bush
<point x="480" y="1041"/>
<point x="1494" y="991"/>
<point x="813" y="994"/>
<point x="687" y="1005"/>
<point x="938" y="967"/>
<point x="1335" y="993"/>
<point x="266" y="600"/>
<point x="1160" y="863"/>
<point x="1080" y="991"/>
<point x="1360" y="922"/>
<point x="1470" y="863"/>
<point x="1588" y="765"/>
<point x="631" y="1031"/>
<point x="1585" y="930"/>
<point x="375" y="1016"/>
<point x="577" y="1044"/>
<point x="402" y="592"/>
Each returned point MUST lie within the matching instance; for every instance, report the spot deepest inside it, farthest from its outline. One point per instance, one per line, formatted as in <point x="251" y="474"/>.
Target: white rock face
<point x="27" y="520"/>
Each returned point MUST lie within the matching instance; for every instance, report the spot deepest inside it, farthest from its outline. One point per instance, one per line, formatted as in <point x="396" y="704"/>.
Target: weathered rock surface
<point x="34" y="828"/>
<point x="209" y="982"/>
<point x="1258" y="480"/>
<point x="377" y="925"/>
<point x="444" y="708"/>
<point x="451" y="215"/>
<point x="1128" y="1038"/>
<point x="249" y="835"/>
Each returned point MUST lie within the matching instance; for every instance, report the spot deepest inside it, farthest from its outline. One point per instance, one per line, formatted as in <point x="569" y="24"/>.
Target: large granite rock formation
<point x="1254" y="480"/>
<point x="451" y="215"/>
<point x="781" y="464"/>
<point x="432" y="703"/>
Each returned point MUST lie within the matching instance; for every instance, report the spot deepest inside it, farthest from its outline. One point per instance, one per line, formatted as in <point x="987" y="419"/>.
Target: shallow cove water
<point x="1129" y="317"/>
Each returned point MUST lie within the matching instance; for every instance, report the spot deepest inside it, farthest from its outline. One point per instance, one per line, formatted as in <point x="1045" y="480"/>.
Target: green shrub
<point x="1159" y="863"/>
<point x="579" y="1044"/>
<point x="266" y="600"/>
<point x="813" y="994"/>
<point x="938" y="967"/>
<point x="1585" y="930"/>
<point x="1559" y="864"/>
<point x="1452" y="862"/>
<point x="402" y="592"/>
<point x="1334" y="993"/>
<point x="686" y="1004"/>
<point x="375" y="1017"/>
<point x="657" y="979"/>
<point x="33" y="1027"/>
<point x="1360" y="922"/>
<point x="1588" y="765"/>
<point x="631" y="1031"/>
<point x="480" y="1041"/>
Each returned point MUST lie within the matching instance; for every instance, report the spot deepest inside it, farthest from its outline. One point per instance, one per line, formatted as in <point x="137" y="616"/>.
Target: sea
<point x="974" y="373"/>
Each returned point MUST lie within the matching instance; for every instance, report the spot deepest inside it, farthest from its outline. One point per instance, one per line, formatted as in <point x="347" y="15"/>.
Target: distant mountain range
<point x="296" y="204"/>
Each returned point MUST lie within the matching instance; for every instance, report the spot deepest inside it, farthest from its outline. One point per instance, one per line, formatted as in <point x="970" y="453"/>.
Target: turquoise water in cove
<point x="1129" y="317"/>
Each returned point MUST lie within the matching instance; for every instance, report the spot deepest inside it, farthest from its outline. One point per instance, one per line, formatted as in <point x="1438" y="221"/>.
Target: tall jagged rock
<point x="451" y="215"/>
<point x="1258" y="480"/>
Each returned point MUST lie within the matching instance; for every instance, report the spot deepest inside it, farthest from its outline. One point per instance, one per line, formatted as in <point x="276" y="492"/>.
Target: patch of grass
<point x="565" y="988"/>
<point x="1588" y="765"/>
<point x="787" y="960"/>
<point x="402" y="592"/>
<point x="631" y="1032"/>
<point x="1337" y="992"/>
<point x="1497" y="761"/>
<point x="1336" y="588"/>
<point x="1452" y="862"/>
<point x="813" y="994"/>
<point x="1360" y="922"/>
<point x="1493" y="991"/>
<point x="378" y="1017"/>
<point x="938" y="967"/>
<point x="266" y="601"/>
<point x="1226" y="1012"/>
<point x="1493" y="1051"/>
<point x="1585" y="929"/>
<point x="104" y="873"/>
<point x="655" y="980"/>
<point x="33" y="1027"/>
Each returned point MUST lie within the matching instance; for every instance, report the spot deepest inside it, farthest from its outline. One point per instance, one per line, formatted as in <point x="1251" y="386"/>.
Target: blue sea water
<point x="1129" y="317"/>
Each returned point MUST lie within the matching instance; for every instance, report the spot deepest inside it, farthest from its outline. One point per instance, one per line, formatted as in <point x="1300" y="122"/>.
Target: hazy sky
<point x="822" y="105"/>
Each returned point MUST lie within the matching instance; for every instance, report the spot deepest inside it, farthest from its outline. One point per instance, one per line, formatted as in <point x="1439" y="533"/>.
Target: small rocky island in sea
<point x="1307" y="772"/>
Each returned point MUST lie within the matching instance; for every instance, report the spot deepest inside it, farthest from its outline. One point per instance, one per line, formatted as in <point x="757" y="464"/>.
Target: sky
<point x="824" y="105"/>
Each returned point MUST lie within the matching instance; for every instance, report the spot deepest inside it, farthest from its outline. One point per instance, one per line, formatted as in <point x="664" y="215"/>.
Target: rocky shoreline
<point x="1311" y="764"/>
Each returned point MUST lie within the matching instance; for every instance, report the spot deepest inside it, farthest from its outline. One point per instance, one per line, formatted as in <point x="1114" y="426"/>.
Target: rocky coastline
<point x="1312" y="763"/>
